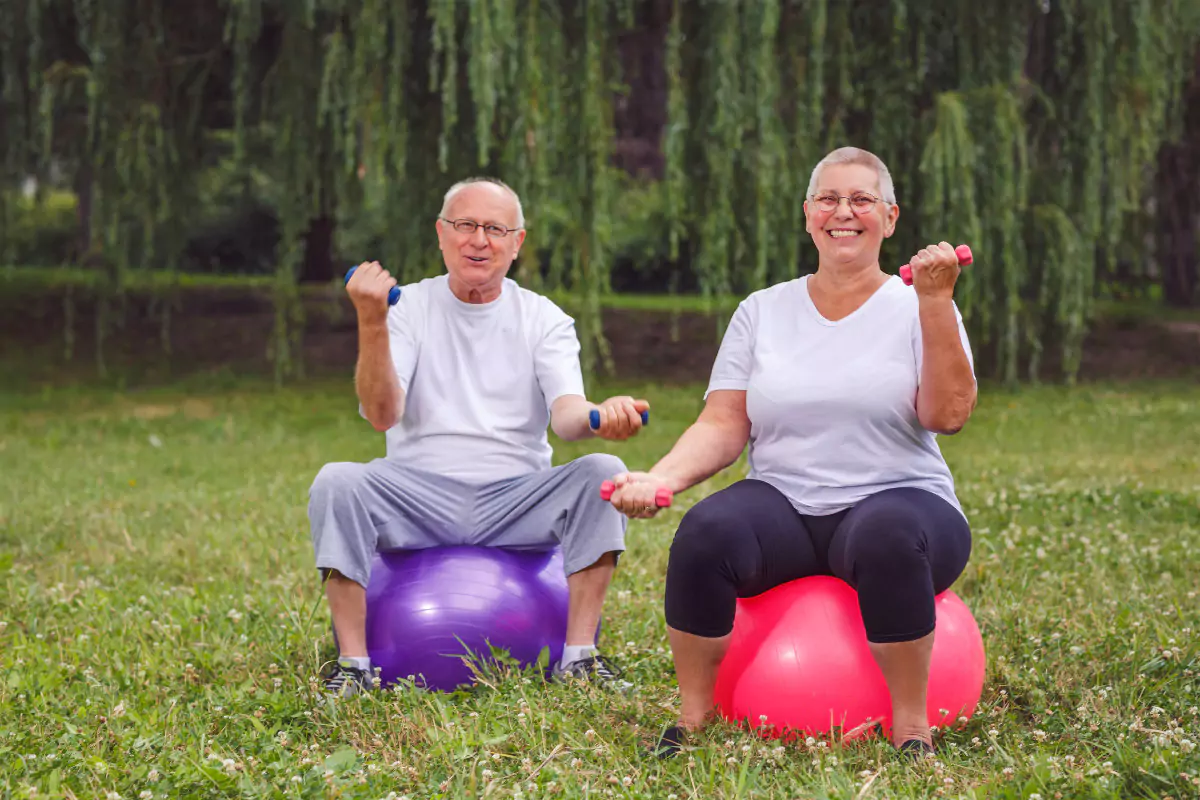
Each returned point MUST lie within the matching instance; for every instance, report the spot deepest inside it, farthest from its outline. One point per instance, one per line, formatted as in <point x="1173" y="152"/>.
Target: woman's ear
<point x="893" y="214"/>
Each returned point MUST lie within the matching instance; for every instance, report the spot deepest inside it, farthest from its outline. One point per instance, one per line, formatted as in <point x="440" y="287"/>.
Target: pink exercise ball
<point x="799" y="658"/>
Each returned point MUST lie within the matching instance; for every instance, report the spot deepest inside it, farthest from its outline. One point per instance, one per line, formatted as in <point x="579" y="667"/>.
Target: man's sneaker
<point x="346" y="680"/>
<point x="594" y="668"/>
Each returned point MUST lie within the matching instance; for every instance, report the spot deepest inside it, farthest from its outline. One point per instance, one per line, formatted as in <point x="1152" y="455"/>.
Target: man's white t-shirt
<point x="832" y="404"/>
<point x="479" y="379"/>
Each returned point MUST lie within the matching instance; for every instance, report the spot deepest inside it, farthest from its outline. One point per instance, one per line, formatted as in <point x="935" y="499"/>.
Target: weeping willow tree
<point x="1026" y="129"/>
<point x="389" y="101"/>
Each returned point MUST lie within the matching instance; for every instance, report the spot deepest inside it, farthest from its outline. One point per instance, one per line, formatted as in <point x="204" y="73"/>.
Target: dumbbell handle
<point x="662" y="497"/>
<point x="594" y="418"/>
<point x="964" y="258"/>
<point x="393" y="295"/>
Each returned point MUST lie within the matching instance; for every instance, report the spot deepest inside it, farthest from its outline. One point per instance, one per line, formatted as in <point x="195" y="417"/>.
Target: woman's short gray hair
<point x="854" y="155"/>
<point x="458" y="187"/>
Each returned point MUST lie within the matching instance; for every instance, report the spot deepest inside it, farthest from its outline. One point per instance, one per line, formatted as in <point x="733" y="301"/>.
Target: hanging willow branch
<point x="376" y="106"/>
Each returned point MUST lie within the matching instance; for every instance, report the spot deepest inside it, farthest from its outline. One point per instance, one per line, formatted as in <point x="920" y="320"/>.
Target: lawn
<point x="161" y="628"/>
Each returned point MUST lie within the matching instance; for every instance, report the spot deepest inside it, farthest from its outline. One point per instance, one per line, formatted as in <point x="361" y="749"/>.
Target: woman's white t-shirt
<point x="479" y="379"/>
<point x="832" y="404"/>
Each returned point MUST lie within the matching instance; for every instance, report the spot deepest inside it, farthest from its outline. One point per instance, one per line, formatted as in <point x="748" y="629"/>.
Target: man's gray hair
<point x="853" y="155"/>
<point x="458" y="187"/>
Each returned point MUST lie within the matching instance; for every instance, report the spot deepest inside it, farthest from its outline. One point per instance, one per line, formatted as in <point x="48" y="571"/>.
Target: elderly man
<point x="464" y="373"/>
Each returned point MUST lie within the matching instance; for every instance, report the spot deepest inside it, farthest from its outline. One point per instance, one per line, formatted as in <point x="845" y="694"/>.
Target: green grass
<point x="161" y="626"/>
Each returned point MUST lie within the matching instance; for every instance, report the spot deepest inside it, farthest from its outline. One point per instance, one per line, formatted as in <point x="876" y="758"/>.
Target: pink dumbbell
<point x="662" y="498"/>
<point x="964" y="258"/>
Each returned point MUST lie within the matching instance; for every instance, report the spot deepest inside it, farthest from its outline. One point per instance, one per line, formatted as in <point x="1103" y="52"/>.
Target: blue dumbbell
<point x="393" y="295"/>
<point x="594" y="418"/>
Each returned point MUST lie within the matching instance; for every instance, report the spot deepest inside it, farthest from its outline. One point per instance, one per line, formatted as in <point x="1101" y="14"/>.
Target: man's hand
<point x="368" y="288"/>
<point x="620" y="417"/>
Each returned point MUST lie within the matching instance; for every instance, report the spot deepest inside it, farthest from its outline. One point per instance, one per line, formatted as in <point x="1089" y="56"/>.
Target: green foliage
<point x="42" y="232"/>
<point x="162" y="628"/>
<point x="365" y="111"/>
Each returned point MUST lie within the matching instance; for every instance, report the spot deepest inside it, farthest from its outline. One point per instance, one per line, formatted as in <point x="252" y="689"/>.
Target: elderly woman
<point x="840" y="382"/>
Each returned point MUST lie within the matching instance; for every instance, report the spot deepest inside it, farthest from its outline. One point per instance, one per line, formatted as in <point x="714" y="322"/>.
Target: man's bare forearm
<point x="375" y="379"/>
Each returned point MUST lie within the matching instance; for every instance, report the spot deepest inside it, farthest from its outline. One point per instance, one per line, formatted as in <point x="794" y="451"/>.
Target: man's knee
<point x="335" y="480"/>
<point x="599" y="467"/>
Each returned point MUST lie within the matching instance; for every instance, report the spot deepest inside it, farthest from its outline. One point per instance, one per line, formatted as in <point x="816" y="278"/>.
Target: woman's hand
<point x="635" y="493"/>
<point x="935" y="270"/>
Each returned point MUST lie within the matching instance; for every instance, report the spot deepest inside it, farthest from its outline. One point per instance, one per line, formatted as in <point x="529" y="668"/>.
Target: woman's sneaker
<point x="347" y="680"/>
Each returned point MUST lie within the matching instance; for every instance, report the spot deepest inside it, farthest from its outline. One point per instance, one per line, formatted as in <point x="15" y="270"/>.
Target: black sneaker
<point x="916" y="749"/>
<point x="594" y="668"/>
<point x="347" y="680"/>
<point x="673" y="740"/>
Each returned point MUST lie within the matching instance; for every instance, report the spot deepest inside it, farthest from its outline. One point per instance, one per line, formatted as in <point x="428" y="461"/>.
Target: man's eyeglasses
<point x="469" y="226"/>
<point x="860" y="202"/>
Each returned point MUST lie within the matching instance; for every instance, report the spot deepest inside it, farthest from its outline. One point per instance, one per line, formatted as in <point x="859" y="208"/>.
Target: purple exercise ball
<point x="428" y="608"/>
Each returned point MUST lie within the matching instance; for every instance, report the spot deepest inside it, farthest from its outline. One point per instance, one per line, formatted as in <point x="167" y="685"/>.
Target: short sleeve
<point x="735" y="358"/>
<point x="919" y="348"/>
<point x="403" y="335"/>
<point x="556" y="356"/>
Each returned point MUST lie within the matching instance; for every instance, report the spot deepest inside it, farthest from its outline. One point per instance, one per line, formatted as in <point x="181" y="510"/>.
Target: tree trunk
<point x="318" y="250"/>
<point x="83" y="211"/>
<point x="1179" y="206"/>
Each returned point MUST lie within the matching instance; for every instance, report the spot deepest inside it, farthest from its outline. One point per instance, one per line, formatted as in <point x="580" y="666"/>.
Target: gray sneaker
<point x="594" y="668"/>
<point x="347" y="680"/>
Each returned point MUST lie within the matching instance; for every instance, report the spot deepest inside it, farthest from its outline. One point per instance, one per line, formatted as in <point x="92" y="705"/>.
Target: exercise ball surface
<point x="799" y="657"/>
<point x="428" y="608"/>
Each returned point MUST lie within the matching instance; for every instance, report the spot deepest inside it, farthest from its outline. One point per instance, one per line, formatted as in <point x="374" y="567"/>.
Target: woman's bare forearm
<point x="948" y="391"/>
<point x="712" y="443"/>
<point x="375" y="378"/>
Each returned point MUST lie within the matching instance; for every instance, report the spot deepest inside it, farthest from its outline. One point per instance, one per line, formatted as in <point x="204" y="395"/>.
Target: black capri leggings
<point x="898" y="548"/>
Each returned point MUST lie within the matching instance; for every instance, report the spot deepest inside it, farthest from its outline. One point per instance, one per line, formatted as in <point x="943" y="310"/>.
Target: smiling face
<point x="843" y="235"/>
<point x="478" y="263"/>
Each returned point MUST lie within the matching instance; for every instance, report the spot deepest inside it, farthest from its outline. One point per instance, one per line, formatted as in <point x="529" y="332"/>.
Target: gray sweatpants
<point x="356" y="510"/>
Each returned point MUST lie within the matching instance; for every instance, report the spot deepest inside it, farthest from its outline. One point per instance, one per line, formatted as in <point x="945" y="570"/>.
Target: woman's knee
<point x="701" y="591"/>
<point x="708" y="532"/>
<point x="907" y="530"/>
<point x="888" y="531"/>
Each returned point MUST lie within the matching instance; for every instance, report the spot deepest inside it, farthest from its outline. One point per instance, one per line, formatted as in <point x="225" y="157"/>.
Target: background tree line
<point x="660" y="145"/>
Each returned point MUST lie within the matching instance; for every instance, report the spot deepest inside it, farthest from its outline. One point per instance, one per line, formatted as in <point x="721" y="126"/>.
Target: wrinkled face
<point x="852" y="232"/>
<point x="477" y="260"/>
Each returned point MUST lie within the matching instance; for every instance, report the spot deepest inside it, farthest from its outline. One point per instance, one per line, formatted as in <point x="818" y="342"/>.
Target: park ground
<point x="161" y="628"/>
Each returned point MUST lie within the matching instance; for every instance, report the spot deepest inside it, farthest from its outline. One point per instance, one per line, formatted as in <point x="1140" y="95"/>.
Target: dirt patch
<point x="228" y="332"/>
